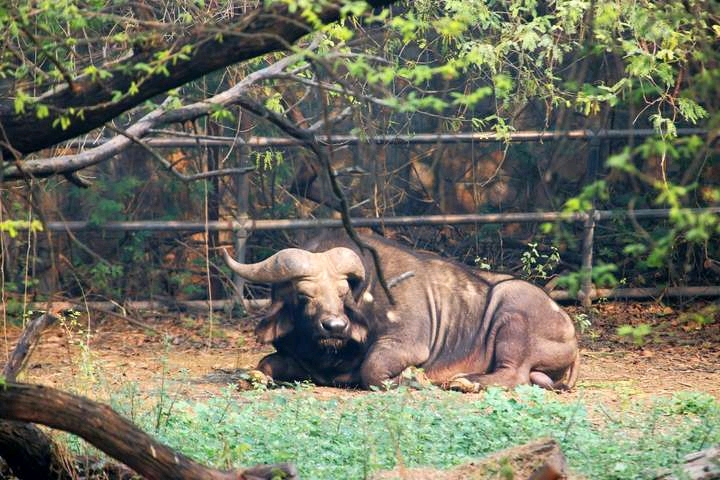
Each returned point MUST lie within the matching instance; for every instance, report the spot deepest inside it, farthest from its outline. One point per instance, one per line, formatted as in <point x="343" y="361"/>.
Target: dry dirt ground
<point x="191" y="356"/>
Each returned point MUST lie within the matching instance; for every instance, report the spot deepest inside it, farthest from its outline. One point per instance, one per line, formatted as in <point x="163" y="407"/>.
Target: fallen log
<point x="702" y="465"/>
<point x="105" y="429"/>
<point x="538" y="460"/>
<point x="31" y="454"/>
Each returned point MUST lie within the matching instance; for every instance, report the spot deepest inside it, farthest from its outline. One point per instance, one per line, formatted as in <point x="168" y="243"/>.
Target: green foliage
<point x="685" y="226"/>
<point x="510" y="52"/>
<point x="44" y="44"/>
<point x="707" y="315"/>
<point x="637" y="333"/>
<point x="12" y="227"/>
<point x="353" y="437"/>
<point x="603" y="276"/>
<point x="582" y="322"/>
<point x="590" y="194"/>
<point x="536" y="265"/>
<point x="518" y="48"/>
<point x="268" y="159"/>
<point x="482" y="263"/>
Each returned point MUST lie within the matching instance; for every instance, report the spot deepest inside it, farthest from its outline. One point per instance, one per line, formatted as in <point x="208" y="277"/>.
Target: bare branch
<point x="171" y="168"/>
<point x="44" y="167"/>
<point x="30" y="336"/>
<point x="310" y="140"/>
<point x="206" y="48"/>
<point x="325" y="122"/>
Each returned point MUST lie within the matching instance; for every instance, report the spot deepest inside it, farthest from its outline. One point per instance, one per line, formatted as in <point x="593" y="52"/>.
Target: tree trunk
<point x="104" y="428"/>
<point x="31" y="454"/>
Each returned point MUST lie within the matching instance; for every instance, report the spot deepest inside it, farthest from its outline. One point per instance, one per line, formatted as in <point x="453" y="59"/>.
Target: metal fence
<point x="243" y="229"/>
<point x="243" y="226"/>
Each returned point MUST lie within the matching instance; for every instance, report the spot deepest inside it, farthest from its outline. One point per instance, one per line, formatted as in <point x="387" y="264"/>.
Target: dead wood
<point x="28" y="339"/>
<point x="538" y="460"/>
<point x="702" y="465"/>
<point x="116" y="436"/>
<point x="31" y="454"/>
<point x="27" y="450"/>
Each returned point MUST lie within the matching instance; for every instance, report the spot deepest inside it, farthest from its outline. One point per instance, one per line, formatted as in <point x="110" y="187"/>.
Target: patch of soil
<point x="680" y="352"/>
<point x="193" y="357"/>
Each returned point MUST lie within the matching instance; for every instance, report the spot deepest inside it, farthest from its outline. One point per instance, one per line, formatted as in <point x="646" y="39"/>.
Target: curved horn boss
<point x="292" y="263"/>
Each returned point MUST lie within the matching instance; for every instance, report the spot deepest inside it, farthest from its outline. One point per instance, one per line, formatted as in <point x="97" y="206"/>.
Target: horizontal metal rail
<point x="182" y="141"/>
<point x="300" y="224"/>
<point x="253" y="305"/>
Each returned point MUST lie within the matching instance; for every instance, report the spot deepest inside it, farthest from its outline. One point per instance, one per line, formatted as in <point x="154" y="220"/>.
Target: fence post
<point x="241" y="232"/>
<point x="586" y="286"/>
<point x="241" y="235"/>
<point x="593" y="165"/>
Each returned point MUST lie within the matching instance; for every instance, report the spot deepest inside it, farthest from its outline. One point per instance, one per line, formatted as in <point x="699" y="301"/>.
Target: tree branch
<point x="30" y="336"/>
<point x="62" y="164"/>
<point x="94" y="101"/>
<point x="169" y="166"/>
<point x="104" y="428"/>
<point x="310" y="140"/>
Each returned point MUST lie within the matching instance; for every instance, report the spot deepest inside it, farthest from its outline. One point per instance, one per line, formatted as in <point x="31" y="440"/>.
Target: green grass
<point x="352" y="437"/>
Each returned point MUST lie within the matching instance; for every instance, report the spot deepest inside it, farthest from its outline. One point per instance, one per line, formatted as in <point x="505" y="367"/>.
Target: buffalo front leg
<point x="385" y="361"/>
<point x="282" y="368"/>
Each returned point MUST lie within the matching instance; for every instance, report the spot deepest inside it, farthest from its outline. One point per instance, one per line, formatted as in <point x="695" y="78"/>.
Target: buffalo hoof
<point x="462" y="384"/>
<point x="253" y="380"/>
<point x="414" y="377"/>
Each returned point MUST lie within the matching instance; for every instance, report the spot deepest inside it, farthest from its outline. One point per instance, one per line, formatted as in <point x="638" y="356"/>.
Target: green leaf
<point x="21" y="99"/>
<point x="42" y="111"/>
<point x="690" y="110"/>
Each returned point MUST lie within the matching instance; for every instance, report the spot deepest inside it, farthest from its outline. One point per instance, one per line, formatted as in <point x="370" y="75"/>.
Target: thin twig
<point x="309" y="139"/>
<point x="169" y="165"/>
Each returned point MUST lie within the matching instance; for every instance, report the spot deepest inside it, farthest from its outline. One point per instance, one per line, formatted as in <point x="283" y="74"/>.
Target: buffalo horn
<point x="346" y="262"/>
<point x="292" y="263"/>
<point x="285" y="265"/>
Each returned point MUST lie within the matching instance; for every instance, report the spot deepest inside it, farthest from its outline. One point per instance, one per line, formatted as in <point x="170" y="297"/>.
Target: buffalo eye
<point x="303" y="299"/>
<point x="354" y="283"/>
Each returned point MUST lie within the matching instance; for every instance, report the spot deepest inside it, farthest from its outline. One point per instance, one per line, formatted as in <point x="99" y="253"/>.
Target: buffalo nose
<point x="333" y="324"/>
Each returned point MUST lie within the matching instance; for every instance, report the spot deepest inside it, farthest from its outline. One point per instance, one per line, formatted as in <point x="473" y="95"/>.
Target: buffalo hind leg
<point x="504" y="377"/>
<point x="510" y="358"/>
<point x="507" y="377"/>
<point x="542" y="379"/>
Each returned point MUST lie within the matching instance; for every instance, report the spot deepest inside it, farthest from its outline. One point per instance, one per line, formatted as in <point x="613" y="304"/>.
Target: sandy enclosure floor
<point x="192" y="358"/>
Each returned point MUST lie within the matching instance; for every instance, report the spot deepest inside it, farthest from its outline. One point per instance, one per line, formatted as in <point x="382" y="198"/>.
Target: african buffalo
<point x="331" y="321"/>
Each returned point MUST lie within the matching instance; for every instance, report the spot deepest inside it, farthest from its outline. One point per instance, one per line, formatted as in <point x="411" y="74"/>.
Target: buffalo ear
<point x="274" y="326"/>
